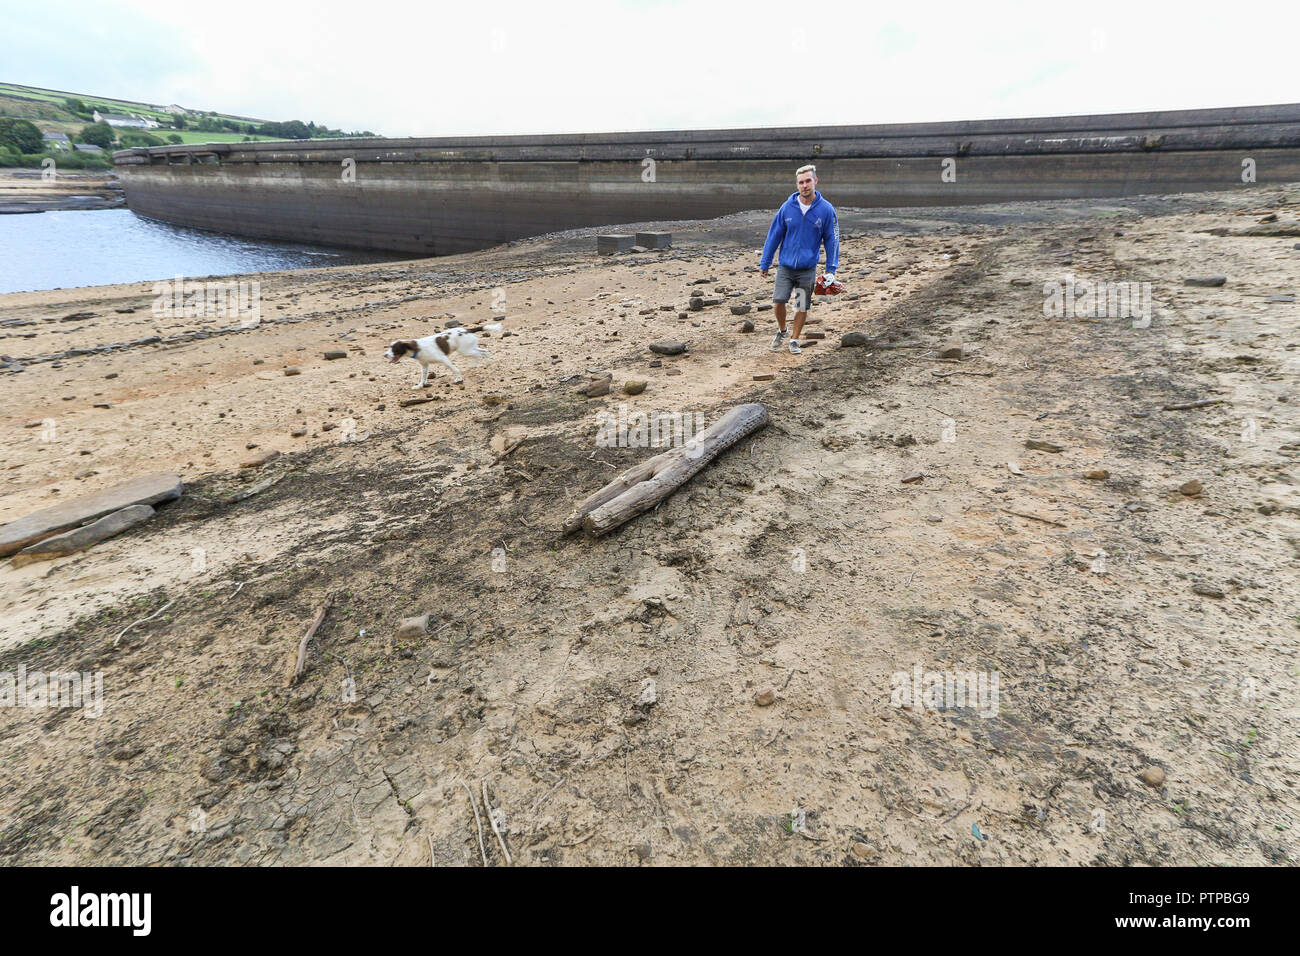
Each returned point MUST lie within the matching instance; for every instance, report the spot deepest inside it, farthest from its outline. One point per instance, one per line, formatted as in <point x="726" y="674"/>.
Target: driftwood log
<point x="642" y="487"/>
<point x="301" y="661"/>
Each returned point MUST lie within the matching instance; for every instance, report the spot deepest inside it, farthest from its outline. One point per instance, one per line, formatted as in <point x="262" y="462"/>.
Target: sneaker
<point x="794" y="348"/>
<point x="780" y="337"/>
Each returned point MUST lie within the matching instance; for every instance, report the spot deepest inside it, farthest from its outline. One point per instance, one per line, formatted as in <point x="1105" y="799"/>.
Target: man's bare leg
<point x="798" y="324"/>
<point x="779" y="309"/>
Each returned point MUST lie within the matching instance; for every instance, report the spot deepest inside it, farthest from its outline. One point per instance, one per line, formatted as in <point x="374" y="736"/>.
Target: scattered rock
<point x="853" y="340"/>
<point x="597" y="388"/>
<point x="1041" y="445"/>
<point x="259" y="460"/>
<point x="747" y="325"/>
<point x="331" y="356"/>
<point x="953" y="350"/>
<point x="764" y="377"/>
<point x="293" y="370"/>
<point x="765" y="697"/>
<point x="413" y="627"/>
<point x="913" y="477"/>
<point x="1206" y="589"/>
<point x="740" y="309"/>
<point x="862" y="851"/>
<point x="634" y="387"/>
<point x="668" y="347"/>
<point x="1153" y="777"/>
<point x="1191" y="488"/>
<point x="1209" y="282"/>
<point x="1097" y="474"/>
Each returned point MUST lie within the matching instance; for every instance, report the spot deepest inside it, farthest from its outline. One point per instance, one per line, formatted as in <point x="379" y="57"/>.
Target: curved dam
<point x="439" y="196"/>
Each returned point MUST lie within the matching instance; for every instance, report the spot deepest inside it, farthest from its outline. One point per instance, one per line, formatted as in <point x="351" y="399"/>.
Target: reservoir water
<point x="66" y="249"/>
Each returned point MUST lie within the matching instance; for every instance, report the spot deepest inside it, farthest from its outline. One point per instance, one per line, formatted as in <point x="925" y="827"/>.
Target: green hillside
<point x="60" y="111"/>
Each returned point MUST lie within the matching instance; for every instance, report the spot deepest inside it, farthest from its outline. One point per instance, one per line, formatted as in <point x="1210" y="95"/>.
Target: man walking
<point x="800" y="228"/>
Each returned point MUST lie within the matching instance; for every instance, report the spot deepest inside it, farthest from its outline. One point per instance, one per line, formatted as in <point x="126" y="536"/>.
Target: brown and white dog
<point x="440" y="348"/>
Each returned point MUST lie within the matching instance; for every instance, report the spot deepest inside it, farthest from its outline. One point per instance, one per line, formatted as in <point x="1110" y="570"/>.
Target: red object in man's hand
<point x="822" y="287"/>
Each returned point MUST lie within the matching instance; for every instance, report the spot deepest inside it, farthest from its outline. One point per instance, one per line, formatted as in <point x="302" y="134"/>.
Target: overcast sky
<point x="406" y="69"/>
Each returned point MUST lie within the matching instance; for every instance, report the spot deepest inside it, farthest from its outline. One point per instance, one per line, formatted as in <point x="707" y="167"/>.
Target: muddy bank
<point x="25" y="191"/>
<point x="890" y="518"/>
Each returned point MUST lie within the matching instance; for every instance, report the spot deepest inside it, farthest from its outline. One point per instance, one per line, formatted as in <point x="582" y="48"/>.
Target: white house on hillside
<point x="125" y="121"/>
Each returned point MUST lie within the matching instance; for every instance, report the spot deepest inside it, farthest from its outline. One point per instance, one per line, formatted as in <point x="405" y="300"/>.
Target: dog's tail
<point x="494" y="327"/>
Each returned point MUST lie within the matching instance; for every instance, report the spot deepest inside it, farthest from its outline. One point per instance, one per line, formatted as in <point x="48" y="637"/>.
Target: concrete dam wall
<point x="442" y="196"/>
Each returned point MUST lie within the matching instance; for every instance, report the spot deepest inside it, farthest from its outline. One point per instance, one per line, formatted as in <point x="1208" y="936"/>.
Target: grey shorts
<point x="787" y="280"/>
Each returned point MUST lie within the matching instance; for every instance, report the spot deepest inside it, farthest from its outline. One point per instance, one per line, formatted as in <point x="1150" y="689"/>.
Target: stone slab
<point x="39" y="525"/>
<point x="79" y="539"/>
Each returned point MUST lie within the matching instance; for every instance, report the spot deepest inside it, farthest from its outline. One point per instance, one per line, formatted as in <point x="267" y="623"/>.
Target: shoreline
<point x="24" y="191"/>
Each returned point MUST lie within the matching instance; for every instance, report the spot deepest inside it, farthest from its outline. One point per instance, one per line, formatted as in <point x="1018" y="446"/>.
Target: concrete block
<point x="655" y="240"/>
<point x="608" y="245"/>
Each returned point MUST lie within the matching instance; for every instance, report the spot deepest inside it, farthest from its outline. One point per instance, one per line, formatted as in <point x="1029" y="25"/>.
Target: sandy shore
<point x="801" y="562"/>
<point x="26" y="191"/>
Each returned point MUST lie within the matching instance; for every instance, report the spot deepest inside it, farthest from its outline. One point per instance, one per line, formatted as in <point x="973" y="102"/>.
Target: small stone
<point x="634" y="387"/>
<point x="1209" y="282"/>
<point x="862" y="851"/>
<point x="747" y="325"/>
<point x="298" y="433"/>
<point x="1041" y="445"/>
<point x="413" y="627"/>
<point x="597" y="388"/>
<point x="1153" y="777"/>
<point x="765" y="697"/>
<point x="853" y="340"/>
<point x="1097" y="474"/>
<point x="668" y="347"/>
<point x="764" y="377"/>
<point x="293" y="370"/>
<point x="260" y="460"/>
<point x="953" y="350"/>
<point x="1191" y="488"/>
<point x="913" y="477"/>
<point x="1206" y="589"/>
<point x="740" y="309"/>
<point x="331" y="356"/>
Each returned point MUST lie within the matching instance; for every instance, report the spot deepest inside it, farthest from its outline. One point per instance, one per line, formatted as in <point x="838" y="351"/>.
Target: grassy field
<point x="192" y="136"/>
<point x="46" y="109"/>
<point x="102" y="103"/>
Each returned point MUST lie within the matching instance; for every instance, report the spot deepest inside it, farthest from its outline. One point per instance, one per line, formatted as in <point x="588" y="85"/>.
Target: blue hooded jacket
<point x="800" y="235"/>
